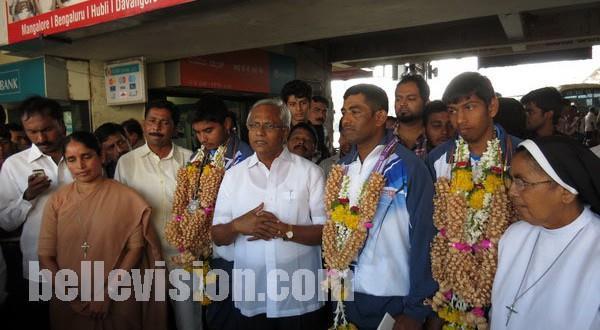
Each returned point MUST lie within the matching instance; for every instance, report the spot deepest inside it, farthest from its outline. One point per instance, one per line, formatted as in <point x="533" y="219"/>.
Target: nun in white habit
<point x="548" y="274"/>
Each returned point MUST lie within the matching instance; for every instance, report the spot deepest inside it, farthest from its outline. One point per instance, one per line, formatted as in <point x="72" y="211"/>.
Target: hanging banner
<point x="29" y="19"/>
<point x="125" y="82"/>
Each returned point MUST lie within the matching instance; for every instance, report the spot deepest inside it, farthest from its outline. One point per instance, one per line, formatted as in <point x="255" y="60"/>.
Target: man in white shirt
<point x="152" y="170"/>
<point x="270" y="206"/>
<point x="590" y="126"/>
<point x="27" y="180"/>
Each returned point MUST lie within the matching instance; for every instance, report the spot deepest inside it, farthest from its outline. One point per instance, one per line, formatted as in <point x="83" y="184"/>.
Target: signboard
<point x="44" y="76"/>
<point x="29" y="19"/>
<point x="253" y="70"/>
<point x="125" y="82"/>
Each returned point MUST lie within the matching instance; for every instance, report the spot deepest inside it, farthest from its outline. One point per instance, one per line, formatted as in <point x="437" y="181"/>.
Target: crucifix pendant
<point x="85" y="246"/>
<point x="511" y="310"/>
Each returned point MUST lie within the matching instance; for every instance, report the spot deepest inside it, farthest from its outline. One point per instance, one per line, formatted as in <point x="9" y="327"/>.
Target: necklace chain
<point x="85" y="246"/>
<point x="511" y="308"/>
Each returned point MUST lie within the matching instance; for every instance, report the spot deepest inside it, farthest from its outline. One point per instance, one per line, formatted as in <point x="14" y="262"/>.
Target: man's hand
<point x="404" y="322"/>
<point x="36" y="185"/>
<point x="276" y="227"/>
<point x="256" y="223"/>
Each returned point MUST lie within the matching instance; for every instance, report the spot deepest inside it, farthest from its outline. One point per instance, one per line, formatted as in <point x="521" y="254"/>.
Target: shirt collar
<point x="353" y="155"/>
<point x="145" y="150"/>
<point x="34" y="153"/>
<point x="285" y="155"/>
<point x="420" y="142"/>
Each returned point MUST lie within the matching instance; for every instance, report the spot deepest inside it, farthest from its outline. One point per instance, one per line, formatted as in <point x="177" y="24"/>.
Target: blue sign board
<point x="22" y="79"/>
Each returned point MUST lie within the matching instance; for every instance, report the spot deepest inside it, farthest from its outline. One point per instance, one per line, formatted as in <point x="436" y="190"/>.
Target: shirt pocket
<point x="290" y="202"/>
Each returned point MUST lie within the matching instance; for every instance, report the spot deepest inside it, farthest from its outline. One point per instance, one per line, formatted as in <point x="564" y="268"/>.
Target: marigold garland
<point x="193" y="206"/>
<point x="471" y="211"/>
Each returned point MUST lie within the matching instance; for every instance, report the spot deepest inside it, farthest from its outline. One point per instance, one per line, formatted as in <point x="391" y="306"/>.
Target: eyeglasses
<point x="521" y="184"/>
<point x="268" y="127"/>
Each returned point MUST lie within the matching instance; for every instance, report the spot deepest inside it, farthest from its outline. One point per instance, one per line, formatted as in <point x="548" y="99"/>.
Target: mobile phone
<point x="39" y="172"/>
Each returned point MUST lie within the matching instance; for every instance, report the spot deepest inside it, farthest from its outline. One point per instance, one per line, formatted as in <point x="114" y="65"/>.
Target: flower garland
<point x="471" y="211"/>
<point x="193" y="205"/>
<point x="345" y="231"/>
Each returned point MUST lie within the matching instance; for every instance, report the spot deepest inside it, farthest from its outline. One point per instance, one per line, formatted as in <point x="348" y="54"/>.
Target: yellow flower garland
<point x="345" y="233"/>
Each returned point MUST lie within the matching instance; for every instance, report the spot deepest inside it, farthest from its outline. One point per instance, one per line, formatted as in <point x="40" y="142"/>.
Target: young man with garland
<point x="472" y="209"/>
<point x="219" y="150"/>
<point x="379" y="204"/>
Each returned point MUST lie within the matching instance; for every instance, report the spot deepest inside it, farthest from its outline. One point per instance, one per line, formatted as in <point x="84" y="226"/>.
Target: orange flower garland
<point x="193" y="205"/>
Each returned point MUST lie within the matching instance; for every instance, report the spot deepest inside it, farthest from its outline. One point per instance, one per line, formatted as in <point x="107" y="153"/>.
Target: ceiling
<point x="352" y="32"/>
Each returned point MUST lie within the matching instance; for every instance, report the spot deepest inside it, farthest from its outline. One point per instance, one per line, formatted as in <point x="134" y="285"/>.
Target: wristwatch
<point x="289" y="234"/>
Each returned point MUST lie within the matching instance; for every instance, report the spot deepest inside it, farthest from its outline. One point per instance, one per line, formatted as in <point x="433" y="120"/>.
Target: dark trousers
<point x="18" y="312"/>
<point x="316" y="320"/>
<point x="222" y="315"/>
<point x="366" y="311"/>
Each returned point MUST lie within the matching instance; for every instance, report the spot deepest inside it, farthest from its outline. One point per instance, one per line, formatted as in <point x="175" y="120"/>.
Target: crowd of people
<point x="469" y="212"/>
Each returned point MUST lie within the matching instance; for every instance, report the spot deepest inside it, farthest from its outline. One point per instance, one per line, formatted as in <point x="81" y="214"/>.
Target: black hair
<point x="433" y="107"/>
<point x="210" y="108"/>
<point x="37" y="105"/>
<point x="164" y="104"/>
<point x="4" y="132"/>
<point x="547" y="99"/>
<point x="2" y="115"/>
<point x="375" y="97"/>
<point x="420" y="82"/>
<point x="104" y="131"/>
<point x="232" y="115"/>
<point x="511" y="116"/>
<point x="86" y="138"/>
<point x="16" y="127"/>
<point x="321" y="99"/>
<point x="305" y="127"/>
<point x="133" y="126"/>
<point x="467" y="84"/>
<point x="298" y="88"/>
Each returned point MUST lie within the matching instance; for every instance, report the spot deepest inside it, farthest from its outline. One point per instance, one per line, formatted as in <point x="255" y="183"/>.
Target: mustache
<point x="156" y="134"/>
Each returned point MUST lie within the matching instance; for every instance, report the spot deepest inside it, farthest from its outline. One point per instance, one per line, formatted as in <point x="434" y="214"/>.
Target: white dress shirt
<point x="590" y="122"/>
<point x="293" y="190"/>
<point x="14" y="210"/>
<point x="155" y="179"/>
